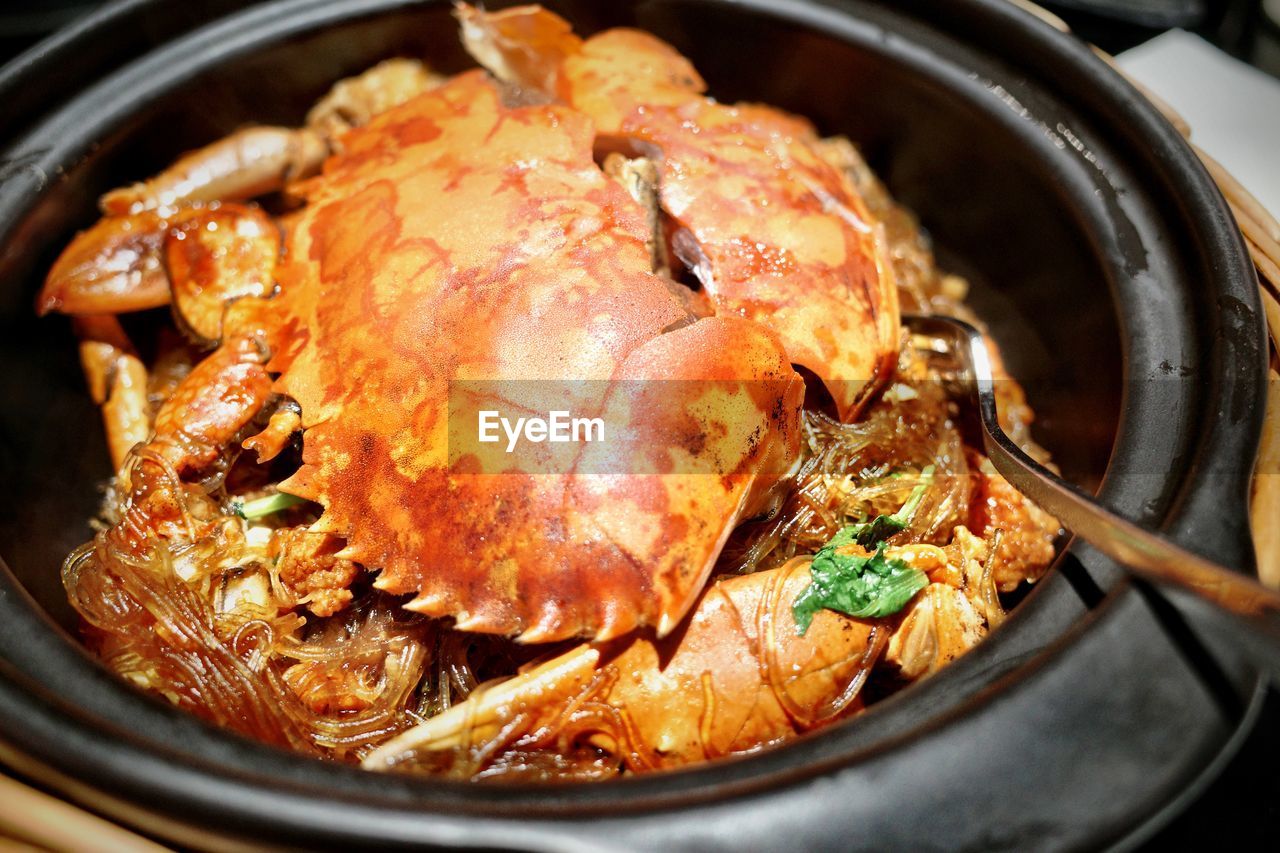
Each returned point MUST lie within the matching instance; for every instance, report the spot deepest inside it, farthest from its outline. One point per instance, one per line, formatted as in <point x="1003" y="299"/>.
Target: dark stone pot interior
<point x="1100" y="252"/>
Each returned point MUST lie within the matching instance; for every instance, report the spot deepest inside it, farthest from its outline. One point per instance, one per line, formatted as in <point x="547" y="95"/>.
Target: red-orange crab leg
<point x="116" y="266"/>
<point x="737" y="677"/>
<point x="220" y="258"/>
<point x="211" y="406"/>
<point x="259" y="160"/>
<point x="117" y="382"/>
<point x="773" y="230"/>
<point x="248" y="163"/>
<point x="226" y="391"/>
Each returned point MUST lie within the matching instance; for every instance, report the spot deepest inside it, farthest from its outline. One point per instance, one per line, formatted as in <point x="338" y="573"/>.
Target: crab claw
<point x="197" y="258"/>
<point x="773" y="231"/>
<point x="216" y="401"/>
<point x="112" y="268"/>
<point x="434" y="316"/>
<point x="215" y="256"/>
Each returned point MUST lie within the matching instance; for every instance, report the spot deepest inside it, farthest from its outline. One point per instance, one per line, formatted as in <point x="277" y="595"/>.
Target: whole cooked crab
<point x="454" y="237"/>
<point x="584" y="214"/>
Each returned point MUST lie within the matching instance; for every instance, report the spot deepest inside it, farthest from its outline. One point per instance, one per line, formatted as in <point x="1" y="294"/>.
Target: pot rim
<point x="234" y="791"/>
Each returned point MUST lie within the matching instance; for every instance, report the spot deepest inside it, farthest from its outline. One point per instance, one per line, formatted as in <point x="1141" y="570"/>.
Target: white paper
<point x="1233" y="108"/>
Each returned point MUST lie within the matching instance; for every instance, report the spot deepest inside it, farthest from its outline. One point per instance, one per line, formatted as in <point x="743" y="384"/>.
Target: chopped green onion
<point x="265" y="506"/>
<point x="868" y="533"/>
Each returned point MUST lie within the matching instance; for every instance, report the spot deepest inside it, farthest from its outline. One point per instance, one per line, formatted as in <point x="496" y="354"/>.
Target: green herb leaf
<point x="864" y="587"/>
<point x="869" y="587"/>
<point x="265" y="506"/>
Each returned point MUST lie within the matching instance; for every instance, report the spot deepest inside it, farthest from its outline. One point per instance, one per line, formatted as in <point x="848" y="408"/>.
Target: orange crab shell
<point x="774" y="231"/>
<point x="459" y="240"/>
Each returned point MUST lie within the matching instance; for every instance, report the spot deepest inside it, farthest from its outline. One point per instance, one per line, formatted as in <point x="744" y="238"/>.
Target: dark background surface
<point x="1241" y="810"/>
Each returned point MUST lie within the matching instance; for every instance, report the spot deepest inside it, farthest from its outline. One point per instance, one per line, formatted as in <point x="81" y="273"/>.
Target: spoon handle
<point x="1139" y="550"/>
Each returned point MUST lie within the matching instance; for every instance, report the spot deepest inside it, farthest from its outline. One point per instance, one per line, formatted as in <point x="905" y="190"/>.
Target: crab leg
<point x="259" y="160"/>
<point x="198" y="259"/>
<point x="738" y="676"/>
<point x="217" y="257"/>
<point x="248" y="163"/>
<point x="356" y="100"/>
<point x="118" y="266"/>
<point x="117" y="382"/>
<point x="219" y="269"/>
<point x="558" y="679"/>
<point x="216" y="401"/>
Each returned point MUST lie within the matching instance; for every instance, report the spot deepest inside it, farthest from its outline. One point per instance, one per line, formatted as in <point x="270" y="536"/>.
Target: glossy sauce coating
<point x="493" y="249"/>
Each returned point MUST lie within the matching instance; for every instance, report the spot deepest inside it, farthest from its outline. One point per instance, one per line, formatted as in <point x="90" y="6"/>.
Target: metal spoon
<point x="1255" y="607"/>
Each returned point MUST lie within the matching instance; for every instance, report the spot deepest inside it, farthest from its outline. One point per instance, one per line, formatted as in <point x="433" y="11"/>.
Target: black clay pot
<point x="1101" y="252"/>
